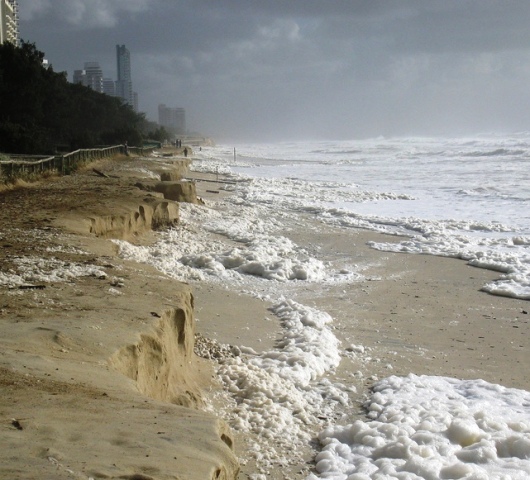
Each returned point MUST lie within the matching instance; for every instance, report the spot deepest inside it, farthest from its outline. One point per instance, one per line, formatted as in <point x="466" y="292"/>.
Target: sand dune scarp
<point x="162" y="362"/>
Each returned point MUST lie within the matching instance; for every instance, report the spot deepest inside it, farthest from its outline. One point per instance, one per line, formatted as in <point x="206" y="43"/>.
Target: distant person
<point x="186" y="152"/>
<point x="126" y="148"/>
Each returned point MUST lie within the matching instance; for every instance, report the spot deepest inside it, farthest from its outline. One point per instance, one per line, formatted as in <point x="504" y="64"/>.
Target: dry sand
<point x="67" y="412"/>
<point x="97" y="374"/>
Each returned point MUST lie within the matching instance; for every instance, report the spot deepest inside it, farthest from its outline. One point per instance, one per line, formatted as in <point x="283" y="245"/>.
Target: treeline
<point x="40" y="111"/>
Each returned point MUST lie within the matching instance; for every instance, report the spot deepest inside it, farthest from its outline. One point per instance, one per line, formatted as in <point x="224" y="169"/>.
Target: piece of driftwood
<point x="101" y="174"/>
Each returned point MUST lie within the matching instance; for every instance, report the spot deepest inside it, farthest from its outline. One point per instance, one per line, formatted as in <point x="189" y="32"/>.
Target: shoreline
<point x="410" y="313"/>
<point x="436" y="304"/>
<point x="415" y="313"/>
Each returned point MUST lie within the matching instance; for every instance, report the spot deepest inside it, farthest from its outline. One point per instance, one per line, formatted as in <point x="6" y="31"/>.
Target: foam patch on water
<point x="424" y="427"/>
<point x="299" y="195"/>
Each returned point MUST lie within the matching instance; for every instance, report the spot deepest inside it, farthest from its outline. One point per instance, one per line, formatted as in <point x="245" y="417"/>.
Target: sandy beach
<point x="81" y="356"/>
<point x="412" y="314"/>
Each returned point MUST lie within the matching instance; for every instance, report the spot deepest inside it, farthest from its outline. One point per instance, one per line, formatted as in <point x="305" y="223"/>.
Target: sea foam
<point x="422" y="427"/>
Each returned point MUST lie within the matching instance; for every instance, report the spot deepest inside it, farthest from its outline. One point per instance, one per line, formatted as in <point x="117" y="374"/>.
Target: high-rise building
<point x="109" y="87"/>
<point x="94" y="76"/>
<point x="124" y="83"/>
<point x="9" y="21"/>
<point x="172" y="118"/>
<point x="91" y="76"/>
<point x="80" y="77"/>
<point x="180" y="120"/>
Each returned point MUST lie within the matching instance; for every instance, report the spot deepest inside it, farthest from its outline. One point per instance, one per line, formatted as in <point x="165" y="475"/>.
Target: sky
<point x="282" y="70"/>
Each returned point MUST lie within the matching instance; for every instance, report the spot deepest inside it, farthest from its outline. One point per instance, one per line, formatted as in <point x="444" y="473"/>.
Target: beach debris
<point x="212" y="350"/>
<point x="117" y="282"/>
<point x="32" y="287"/>
<point x="100" y="173"/>
<point x="16" y="423"/>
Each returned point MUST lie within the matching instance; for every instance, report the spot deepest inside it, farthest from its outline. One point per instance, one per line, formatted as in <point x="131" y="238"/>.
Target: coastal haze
<point x="248" y="70"/>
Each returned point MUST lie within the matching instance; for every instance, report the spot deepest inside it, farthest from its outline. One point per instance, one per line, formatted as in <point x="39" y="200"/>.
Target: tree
<point x="40" y="109"/>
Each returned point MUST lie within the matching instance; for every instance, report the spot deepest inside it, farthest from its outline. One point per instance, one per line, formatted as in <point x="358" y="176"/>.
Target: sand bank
<point x="98" y="377"/>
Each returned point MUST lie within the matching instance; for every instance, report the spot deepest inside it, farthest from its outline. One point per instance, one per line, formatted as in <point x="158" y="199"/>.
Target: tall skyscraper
<point x="124" y="83"/>
<point x="172" y="118"/>
<point x="94" y="76"/>
<point x="9" y="21"/>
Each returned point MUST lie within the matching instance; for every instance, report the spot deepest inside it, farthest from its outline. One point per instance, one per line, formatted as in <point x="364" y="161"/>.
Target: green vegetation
<point x="41" y="111"/>
<point x="160" y="134"/>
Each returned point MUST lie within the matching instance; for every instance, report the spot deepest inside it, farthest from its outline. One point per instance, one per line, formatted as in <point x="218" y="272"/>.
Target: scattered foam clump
<point x="432" y="427"/>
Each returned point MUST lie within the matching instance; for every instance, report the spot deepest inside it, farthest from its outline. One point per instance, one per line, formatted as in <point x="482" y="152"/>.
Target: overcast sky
<point x="264" y="70"/>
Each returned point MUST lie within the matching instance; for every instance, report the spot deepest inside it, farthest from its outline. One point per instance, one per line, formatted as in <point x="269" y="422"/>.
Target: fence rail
<point x="31" y="166"/>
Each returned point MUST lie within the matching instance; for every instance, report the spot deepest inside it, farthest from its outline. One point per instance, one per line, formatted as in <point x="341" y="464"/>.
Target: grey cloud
<point x="84" y="14"/>
<point x="292" y="68"/>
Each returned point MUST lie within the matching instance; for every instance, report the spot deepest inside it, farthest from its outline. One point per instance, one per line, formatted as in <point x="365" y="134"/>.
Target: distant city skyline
<point x="250" y="70"/>
<point x="174" y="119"/>
<point x="92" y="76"/>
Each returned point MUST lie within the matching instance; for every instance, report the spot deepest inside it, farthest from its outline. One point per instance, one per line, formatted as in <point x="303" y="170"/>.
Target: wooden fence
<point x="32" y="166"/>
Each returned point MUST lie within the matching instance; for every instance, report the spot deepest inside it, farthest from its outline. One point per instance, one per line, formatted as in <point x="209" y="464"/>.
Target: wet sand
<point x="417" y="314"/>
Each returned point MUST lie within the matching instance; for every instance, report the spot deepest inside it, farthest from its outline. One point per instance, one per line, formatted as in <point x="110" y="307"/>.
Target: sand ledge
<point x="87" y="369"/>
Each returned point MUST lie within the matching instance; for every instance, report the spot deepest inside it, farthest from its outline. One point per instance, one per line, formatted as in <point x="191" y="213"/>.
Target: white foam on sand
<point x="227" y="246"/>
<point x="508" y="255"/>
<point x="33" y="269"/>
<point x="423" y="427"/>
<point x="280" y="395"/>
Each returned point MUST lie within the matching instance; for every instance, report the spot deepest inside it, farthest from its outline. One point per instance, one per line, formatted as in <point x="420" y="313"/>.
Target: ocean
<point x="466" y="198"/>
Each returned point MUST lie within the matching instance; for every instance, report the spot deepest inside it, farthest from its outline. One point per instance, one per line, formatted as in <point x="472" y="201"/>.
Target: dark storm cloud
<point x="291" y="69"/>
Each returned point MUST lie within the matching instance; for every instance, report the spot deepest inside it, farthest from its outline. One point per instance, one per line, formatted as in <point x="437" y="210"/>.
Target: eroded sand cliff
<point x="97" y="370"/>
